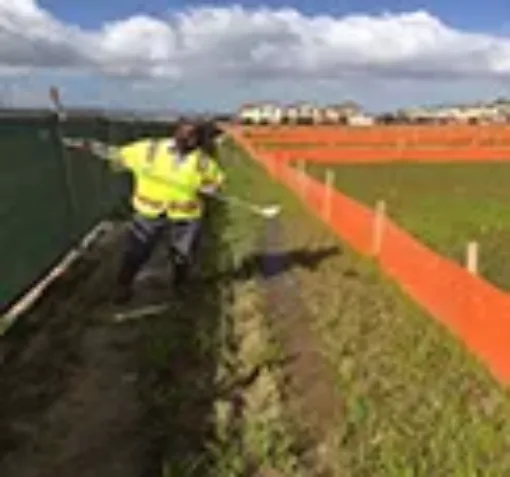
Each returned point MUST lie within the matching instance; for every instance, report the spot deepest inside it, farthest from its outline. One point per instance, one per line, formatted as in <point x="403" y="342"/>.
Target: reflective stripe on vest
<point x="174" y="206"/>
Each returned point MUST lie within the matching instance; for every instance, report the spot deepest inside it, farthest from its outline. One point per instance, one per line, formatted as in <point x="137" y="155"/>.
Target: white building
<point x="262" y="113"/>
<point x="359" y="119"/>
<point x="250" y="113"/>
<point x="292" y="114"/>
<point x="304" y="113"/>
<point x="331" y="115"/>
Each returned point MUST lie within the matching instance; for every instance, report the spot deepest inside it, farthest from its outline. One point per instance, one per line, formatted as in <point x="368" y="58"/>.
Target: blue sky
<point x="469" y="14"/>
<point x="216" y="55"/>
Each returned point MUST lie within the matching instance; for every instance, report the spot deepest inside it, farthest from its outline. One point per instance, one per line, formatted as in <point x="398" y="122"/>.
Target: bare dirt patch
<point x="69" y="399"/>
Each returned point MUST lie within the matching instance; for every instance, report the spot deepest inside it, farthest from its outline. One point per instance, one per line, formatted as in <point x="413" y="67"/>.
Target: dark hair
<point x="206" y="135"/>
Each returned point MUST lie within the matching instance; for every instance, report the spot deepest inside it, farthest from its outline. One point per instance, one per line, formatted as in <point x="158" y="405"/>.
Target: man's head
<point x="186" y="136"/>
<point x="206" y="138"/>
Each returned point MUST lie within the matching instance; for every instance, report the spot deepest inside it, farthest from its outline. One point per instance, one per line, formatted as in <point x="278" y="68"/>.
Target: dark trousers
<point x="144" y="234"/>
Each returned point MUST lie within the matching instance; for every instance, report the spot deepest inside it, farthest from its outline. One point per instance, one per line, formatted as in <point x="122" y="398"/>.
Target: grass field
<point x="410" y="400"/>
<point x="445" y="206"/>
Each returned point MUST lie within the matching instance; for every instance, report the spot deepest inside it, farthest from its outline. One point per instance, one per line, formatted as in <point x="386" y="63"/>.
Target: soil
<point x="74" y="385"/>
<point x="84" y="395"/>
<point x="69" y="391"/>
<point x="312" y="394"/>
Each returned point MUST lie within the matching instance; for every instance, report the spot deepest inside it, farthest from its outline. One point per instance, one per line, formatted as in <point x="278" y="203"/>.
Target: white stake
<point x="378" y="231"/>
<point x="328" y="193"/>
<point x="302" y="173"/>
<point x="472" y="258"/>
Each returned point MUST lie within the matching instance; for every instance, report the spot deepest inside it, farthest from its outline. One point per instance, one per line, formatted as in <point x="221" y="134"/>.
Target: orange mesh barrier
<point x="378" y="134"/>
<point x="474" y="310"/>
<point x="334" y="144"/>
<point x="350" y="219"/>
<point x="372" y="155"/>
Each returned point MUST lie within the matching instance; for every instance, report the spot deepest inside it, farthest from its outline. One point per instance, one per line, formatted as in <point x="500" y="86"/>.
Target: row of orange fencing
<point x="333" y="144"/>
<point x="474" y="310"/>
<point x="372" y="155"/>
<point x="379" y="134"/>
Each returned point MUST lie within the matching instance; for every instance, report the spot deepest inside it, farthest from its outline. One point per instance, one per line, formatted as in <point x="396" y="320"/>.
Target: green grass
<point x="445" y="206"/>
<point x="415" y="401"/>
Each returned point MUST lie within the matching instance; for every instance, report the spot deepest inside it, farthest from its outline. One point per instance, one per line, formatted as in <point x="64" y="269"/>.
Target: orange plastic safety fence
<point x="373" y="155"/>
<point x="418" y="134"/>
<point x="474" y="310"/>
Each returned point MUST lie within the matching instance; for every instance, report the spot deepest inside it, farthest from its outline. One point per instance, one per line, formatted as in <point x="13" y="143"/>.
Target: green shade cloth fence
<point x="50" y="198"/>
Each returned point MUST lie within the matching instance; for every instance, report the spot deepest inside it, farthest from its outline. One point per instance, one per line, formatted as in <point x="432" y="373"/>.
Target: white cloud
<point x="214" y="44"/>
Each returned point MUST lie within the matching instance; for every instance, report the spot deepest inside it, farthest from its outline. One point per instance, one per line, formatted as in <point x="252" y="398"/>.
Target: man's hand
<point x="94" y="147"/>
<point x="103" y="151"/>
<point x="107" y="153"/>
<point x="209" y="190"/>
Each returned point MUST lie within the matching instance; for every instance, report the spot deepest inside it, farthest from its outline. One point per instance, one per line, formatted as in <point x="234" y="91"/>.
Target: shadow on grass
<point x="257" y="263"/>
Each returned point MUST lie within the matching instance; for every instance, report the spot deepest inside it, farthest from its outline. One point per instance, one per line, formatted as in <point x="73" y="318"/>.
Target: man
<point x="171" y="178"/>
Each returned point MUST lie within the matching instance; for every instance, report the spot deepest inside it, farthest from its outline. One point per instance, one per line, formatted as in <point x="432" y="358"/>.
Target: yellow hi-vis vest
<point x="166" y="185"/>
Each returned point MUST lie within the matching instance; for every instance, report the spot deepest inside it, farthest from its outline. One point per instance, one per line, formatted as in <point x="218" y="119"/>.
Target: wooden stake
<point x="272" y="161"/>
<point x="380" y="215"/>
<point x="302" y="174"/>
<point x="472" y="258"/>
<point x="328" y="193"/>
<point x="402" y="143"/>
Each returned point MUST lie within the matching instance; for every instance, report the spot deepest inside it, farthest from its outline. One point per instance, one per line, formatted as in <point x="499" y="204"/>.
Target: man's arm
<point x="120" y="158"/>
<point x="97" y="148"/>
<point x="212" y="177"/>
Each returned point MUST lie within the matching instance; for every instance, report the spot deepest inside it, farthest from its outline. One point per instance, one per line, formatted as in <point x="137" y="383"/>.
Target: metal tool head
<point x="270" y="211"/>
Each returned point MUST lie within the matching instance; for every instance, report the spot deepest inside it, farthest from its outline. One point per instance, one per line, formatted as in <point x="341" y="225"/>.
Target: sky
<point x="217" y="55"/>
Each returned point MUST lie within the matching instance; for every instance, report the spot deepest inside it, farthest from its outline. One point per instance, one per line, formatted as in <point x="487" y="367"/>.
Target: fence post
<point x="328" y="193"/>
<point x="472" y="258"/>
<point x="378" y="230"/>
<point x="302" y="172"/>
<point x="67" y="173"/>
<point x="272" y="164"/>
<point x="402" y="143"/>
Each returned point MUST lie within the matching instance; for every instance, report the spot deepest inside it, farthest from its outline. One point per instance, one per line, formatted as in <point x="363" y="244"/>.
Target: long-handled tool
<point x="267" y="211"/>
<point x="141" y="312"/>
<point x="103" y="151"/>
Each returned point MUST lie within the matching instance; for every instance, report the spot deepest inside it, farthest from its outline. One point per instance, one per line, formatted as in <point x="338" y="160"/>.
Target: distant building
<point x="459" y="114"/>
<point x="249" y="114"/>
<point x="303" y="113"/>
<point x="360" y="119"/>
<point x="331" y="115"/>
<point x="261" y="113"/>
<point x="292" y="114"/>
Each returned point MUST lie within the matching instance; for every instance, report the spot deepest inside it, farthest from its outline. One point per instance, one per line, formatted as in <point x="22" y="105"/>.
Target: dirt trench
<point x="69" y="398"/>
<point x="84" y="395"/>
<point x="313" y="399"/>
